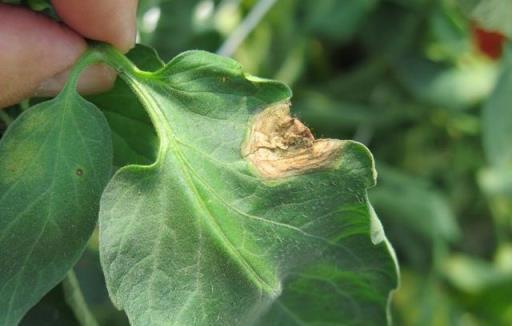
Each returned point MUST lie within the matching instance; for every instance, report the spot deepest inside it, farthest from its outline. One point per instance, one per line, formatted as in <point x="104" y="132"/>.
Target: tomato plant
<point x="195" y="193"/>
<point x="219" y="218"/>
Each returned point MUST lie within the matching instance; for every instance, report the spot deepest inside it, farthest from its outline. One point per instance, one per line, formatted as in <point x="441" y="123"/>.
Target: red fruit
<point x="488" y="42"/>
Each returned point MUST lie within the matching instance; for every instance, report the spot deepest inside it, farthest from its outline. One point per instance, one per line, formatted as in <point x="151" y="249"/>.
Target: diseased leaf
<point x="55" y="160"/>
<point x="204" y="236"/>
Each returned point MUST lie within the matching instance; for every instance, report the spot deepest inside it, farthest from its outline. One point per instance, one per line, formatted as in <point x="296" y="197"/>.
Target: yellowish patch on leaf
<point x="17" y="158"/>
<point x="279" y="145"/>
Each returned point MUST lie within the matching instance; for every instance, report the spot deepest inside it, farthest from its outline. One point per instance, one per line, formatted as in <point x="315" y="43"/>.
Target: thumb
<point x="35" y="49"/>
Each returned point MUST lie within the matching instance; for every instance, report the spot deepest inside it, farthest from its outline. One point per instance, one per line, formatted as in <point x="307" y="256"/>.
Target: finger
<point x="93" y="79"/>
<point x="111" y="21"/>
<point x="36" y="55"/>
<point x="33" y="48"/>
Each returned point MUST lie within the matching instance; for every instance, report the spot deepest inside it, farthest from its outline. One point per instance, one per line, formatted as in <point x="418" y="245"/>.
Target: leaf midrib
<point x="168" y="141"/>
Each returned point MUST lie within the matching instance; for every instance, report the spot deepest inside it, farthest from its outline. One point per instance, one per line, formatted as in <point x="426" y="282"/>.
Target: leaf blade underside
<point x="54" y="162"/>
<point x="198" y="238"/>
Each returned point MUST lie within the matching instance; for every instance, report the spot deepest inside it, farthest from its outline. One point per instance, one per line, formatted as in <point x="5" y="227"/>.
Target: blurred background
<point x="427" y="88"/>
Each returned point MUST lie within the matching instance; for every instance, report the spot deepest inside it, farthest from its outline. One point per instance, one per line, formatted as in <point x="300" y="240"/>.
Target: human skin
<point x="36" y="52"/>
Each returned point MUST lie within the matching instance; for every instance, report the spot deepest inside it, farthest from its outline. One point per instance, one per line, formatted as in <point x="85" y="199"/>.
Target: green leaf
<point x="212" y="234"/>
<point x="179" y="25"/>
<point x="424" y="300"/>
<point x="145" y="58"/>
<point x="496" y="179"/>
<point x="75" y="299"/>
<point x="336" y="20"/>
<point x="39" y="5"/>
<point x="482" y="286"/>
<point x="497" y="119"/>
<point x="133" y="136"/>
<point x="453" y="87"/>
<point x="330" y="115"/>
<point x="414" y="204"/>
<point x="55" y="160"/>
<point x="449" y="33"/>
<point x="418" y="217"/>
<point x="52" y="310"/>
<point x="63" y="305"/>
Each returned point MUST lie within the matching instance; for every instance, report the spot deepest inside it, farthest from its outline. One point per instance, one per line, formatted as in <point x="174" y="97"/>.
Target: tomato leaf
<point x="133" y="136"/>
<point x="243" y="218"/>
<point x="55" y="160"/>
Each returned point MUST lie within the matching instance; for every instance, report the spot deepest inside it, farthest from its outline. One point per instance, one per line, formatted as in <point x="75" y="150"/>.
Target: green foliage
<point x="55" y="160"/>
<point x="497" y="120"/>
<point x="198" y="222"/>
<point x="187" y="224"/>
<point x="335" y="20"/>
<point x="133" y="136"/>
<point x="414" y="202"/>
<point x="496" y="178"/>
<point x="52" y="310"/>
<point x="200" y="226"/>
<point x="160" y="20"/>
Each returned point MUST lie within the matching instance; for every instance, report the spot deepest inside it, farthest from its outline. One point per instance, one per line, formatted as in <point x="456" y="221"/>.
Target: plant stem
<point x="75" y="300"/>
<point x="245" y="28"/>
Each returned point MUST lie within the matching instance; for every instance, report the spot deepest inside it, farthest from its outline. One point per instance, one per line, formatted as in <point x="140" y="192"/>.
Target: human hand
<point x="36" y="52"/>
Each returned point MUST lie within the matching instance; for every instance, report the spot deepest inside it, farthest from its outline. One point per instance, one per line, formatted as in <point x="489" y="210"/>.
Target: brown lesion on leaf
<point x="279" y="145"/>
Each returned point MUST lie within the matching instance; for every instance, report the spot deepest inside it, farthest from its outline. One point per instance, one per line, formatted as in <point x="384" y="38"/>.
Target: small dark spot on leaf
<point x="79" y="172"/>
